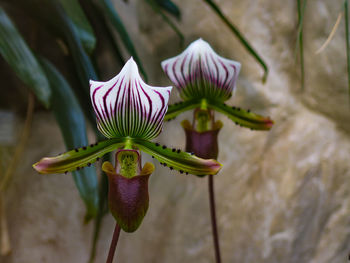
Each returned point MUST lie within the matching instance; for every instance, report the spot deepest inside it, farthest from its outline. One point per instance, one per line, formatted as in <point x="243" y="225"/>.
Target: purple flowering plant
<point x="129" y="113"/>
<point x="205" y="81"/>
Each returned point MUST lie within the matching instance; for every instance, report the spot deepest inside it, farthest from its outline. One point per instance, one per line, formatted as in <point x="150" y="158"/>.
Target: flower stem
<point x="114" y="242"/>
<point x="213" y="219"/>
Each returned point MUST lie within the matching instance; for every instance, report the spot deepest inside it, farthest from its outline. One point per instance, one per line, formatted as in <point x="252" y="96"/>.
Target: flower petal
<point x="128" y="198"/>
<point x="176" y="159"/>
<point x="77" y="158"/>
<point x="180" y="107"/>
<point x="126" y="106"/>
<point x="199" y="72"/>
<point x="242" y="117"/>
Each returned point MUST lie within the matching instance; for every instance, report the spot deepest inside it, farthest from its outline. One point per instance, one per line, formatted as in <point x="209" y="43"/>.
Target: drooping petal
<point x="180" y="107"/>
<point x="199" y="72"/>
<point x="77" y="158"/>
<point x="126" y="106"/>
<point x="176" y="159"/>
<point x="242" y="117"/>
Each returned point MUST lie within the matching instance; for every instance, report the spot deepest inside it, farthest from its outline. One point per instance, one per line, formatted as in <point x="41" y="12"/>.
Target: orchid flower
<point x="129" y="113"/>
<point x="205" y="81"/>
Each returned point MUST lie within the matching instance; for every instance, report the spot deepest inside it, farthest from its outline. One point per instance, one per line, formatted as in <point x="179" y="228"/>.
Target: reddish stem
<point x="114" y="242"/>
<point x="213" y="218"/>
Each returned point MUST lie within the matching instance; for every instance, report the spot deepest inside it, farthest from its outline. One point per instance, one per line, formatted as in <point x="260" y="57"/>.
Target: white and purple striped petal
<point x="199" y="72"/>
<point x="126" y="106"/>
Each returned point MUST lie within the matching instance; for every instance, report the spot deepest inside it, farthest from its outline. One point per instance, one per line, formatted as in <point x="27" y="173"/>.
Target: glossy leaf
<point x="81" y="24"/>
<point x="78" y="158"/>
<point x="111" y="13"/>
<point x="242" y="117"/>
<point x="16" y="52"/>
<point x="71" y="120"/>
<point x="177" y="159"/>
<point x="240" y="36"/>
<point x="180" y="107"/>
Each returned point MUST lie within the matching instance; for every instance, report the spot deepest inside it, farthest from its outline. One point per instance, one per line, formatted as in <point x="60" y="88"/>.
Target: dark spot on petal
<point x="84" y="148"/>
<point x="181" y="172"/>
<point x="186" y="172"/>
<point x="165" y="164"/>
<point x="192" y="153"/>
<point x="238" y="109"/>
<point x="164" y="147"/>
<point x="178" y="151"/>
<point x="173" y="150"/>
<point x="98" y="158"/>
<point x="76" y="149"/>
<point x="78" y="168"/>
<point x="89" y="164"/>
<point x="171" y="168"/>
<point x="96" y="143"/>
<point x="152" y="156"/>
<point x="157" y="144"/>
<point x="65" y="172"/>
<point x="92" y="145"/>
<point x="248" y="111"/>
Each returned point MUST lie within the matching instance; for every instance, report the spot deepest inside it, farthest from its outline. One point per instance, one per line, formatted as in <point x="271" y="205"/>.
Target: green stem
<point x="113" y="244"/>
<point x="346" y="10"/>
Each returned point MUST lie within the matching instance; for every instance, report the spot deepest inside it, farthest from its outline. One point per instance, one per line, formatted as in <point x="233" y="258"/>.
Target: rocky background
<point x="282" y="196"/>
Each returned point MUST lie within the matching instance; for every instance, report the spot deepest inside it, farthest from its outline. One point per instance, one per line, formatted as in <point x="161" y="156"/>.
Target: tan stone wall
<point x="282" y="196"/>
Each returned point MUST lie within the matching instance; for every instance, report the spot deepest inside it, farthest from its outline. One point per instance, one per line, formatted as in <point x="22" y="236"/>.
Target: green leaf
<point x="346" y="10"/>
<point x="180" y="107"/>
<point x="81" y="24"/>
<point x="17" y="53"/>
<point x="170" y="7"/>
<point x="300" y="41"/>
<point x="71" y="120"/>
<point x="77" y="158"/>
<point x="241" y="117"/>
<point x="156" y="8"/>
<point x="115" y="20"/>
<point x="178" y="160"/>
<point x="240" y="36"/>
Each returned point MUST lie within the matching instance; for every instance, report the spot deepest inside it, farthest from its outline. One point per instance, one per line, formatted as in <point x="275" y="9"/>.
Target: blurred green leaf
<point x="300" y="44"/>
<point x="71" y="120"/>
<point x="81" y="24"/>
<point x="16" y="52"/>
<point x="170" y="7"/>
<point x="240" y="36"/>
<point x="110" y="12"/>
<point x="156" y="8"/>
<point x="346" y="10"/>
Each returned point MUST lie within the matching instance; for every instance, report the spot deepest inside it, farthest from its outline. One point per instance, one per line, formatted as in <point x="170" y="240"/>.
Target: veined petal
<point x="199" y="72"/>
<point x="176" y="159"/>
<point x="77" y="158"/>
<point x="126" y="106"/>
